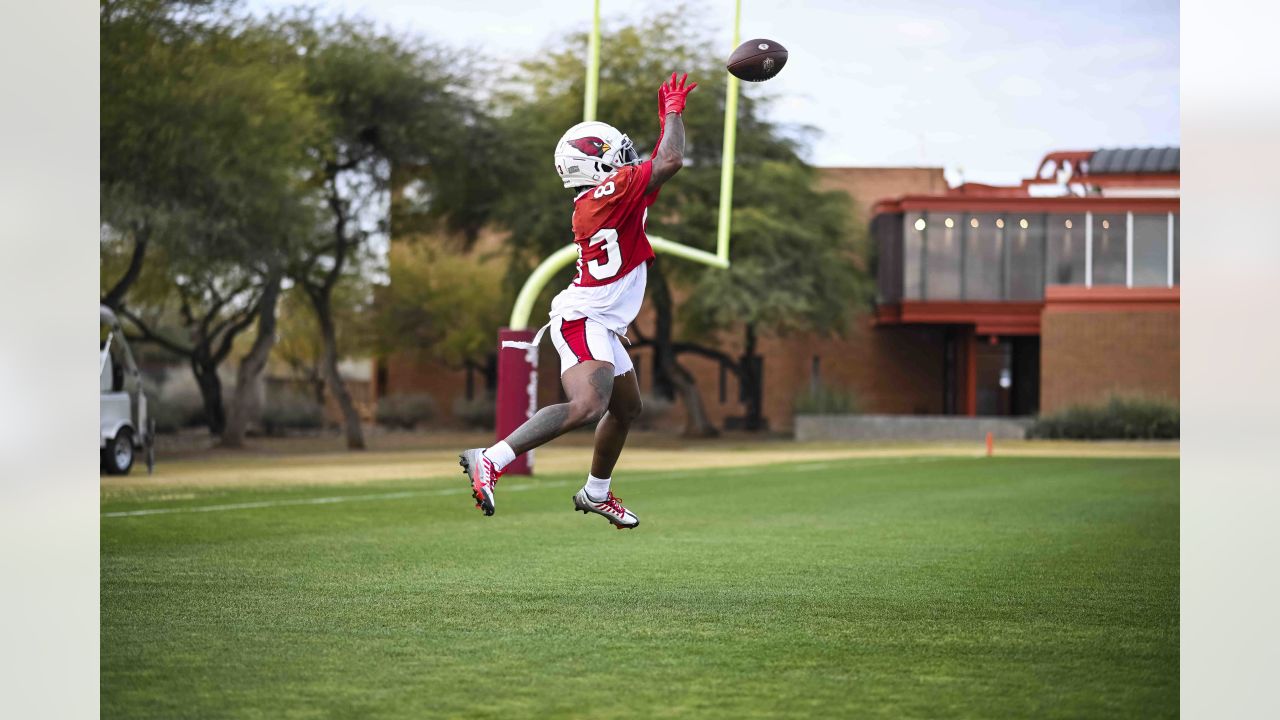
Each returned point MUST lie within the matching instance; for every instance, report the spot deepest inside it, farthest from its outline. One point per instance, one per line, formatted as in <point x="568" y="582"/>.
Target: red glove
<point x="671" y="99"/>
<point x="673" y="94"/>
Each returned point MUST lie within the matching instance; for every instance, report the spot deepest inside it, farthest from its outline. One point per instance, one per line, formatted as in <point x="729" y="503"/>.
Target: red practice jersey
<point x="608" y="226"/>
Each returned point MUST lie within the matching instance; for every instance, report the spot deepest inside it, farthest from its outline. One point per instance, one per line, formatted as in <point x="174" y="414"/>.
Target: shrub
<point x="478" y="412"/>
<point x="176" y="409"/>
<point x="825" y="400"/>
<point x="405" y="411"/>
<point x="288" y="410"/>
<point x="653" y="410"/>
<point x="1118" y="419"/>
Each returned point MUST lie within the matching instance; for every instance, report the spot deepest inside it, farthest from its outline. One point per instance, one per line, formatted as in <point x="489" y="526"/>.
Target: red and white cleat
<point x="483" y="476"/>
<point x="611" y="508"/>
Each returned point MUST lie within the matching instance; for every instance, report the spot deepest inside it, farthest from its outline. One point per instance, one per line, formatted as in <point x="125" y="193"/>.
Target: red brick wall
<point x="888" y="370"/>
<point x="410" y="373"/>
<point x="869" y="185"/>
<point x="1108" y="341"/>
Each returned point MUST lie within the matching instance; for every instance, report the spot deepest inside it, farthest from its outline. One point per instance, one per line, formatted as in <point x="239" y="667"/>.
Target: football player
<point x="612" y="191"/>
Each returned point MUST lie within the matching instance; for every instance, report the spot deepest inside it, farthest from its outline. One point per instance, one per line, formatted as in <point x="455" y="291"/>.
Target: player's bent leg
<point x="588" y="385"/>
<point x="596" y="496"/>
<point x="611" y="432"/>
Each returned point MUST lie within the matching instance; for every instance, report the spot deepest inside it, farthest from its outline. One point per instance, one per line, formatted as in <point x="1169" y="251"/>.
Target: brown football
<point x="757" y="60"/>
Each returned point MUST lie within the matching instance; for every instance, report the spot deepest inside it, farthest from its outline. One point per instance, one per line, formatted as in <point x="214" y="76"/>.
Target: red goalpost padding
<point x="517" y="397"/>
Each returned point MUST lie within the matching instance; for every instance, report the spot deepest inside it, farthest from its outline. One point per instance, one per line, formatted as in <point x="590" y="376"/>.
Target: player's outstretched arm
<point x="668" y="157"/>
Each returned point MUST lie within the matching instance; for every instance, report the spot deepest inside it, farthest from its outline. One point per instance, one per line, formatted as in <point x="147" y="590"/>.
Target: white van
<point x="125" y="424"/>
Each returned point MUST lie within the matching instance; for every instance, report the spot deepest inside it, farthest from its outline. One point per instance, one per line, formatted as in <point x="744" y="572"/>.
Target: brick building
<point x="1059" y="291"/>
<point x="990" y="300"/>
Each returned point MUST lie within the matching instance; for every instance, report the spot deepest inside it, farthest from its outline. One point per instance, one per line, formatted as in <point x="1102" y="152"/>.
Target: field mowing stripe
<point x="804" y="467"/>
<point x="320" y="501"/>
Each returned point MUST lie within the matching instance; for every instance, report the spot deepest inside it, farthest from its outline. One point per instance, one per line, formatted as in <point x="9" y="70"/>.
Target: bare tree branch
<point x="115" y="296"/>
<point x="241" y="321"/>
<point x="145" y="334"/>
<point x="685" y="348"/>
<point x="185" y="306"/>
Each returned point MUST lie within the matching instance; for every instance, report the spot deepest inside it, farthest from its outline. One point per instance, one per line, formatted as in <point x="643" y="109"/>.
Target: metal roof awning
<point x="1134" y="160"/>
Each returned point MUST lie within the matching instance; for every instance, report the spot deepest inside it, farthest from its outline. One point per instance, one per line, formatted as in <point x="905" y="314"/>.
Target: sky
<point x="983" y="88"/>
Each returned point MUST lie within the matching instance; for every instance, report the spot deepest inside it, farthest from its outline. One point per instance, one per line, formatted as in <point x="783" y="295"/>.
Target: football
<point x="757" y="60"/>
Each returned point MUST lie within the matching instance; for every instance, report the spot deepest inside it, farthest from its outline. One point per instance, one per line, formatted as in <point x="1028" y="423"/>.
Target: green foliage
<point x="442" y="303"/>
<point x="286" y="410"/>
<point x="405" y="411"/>
<point x="204" y="123"/>
<point x="826" y="400"/>
<point x="1120" y="418"/>
<point x="205" y="184"/>
<point x="174" y="409"/>
<point x="399" y="113"/>
<point x="298" y="340"/>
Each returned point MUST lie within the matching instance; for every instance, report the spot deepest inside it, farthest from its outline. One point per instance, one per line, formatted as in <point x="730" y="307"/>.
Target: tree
<point x="210" y="308"/>
<point x="300" y="344"/>
<point x="398" y="111"/>
<point x="204" y="127"/>
<point x="443" y="304"/>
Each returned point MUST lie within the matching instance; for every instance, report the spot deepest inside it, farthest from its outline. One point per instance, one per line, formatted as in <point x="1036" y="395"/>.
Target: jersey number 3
<point x="608" y="266"/>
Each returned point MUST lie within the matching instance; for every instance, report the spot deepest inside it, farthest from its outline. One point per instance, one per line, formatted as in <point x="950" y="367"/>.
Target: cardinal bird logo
<point x="592" y="146"/>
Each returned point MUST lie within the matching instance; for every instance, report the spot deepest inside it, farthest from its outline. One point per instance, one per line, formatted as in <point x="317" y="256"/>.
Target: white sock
<point x="597" y="488"/>
<point x="500" y="455"/>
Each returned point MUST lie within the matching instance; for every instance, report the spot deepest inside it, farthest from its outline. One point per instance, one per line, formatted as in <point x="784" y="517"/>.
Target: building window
<point x="1024" y="236"/>
<point x="1065" y="240"/>
<point x="1012" y="256"/>
<point x="887" y="231"/>
<point x="913" y="229"/>
<point x="1151" y="250"/>
<point x="984" y="257"/>
<point x="1109" y="248"/>
<point x="942" y="241"/>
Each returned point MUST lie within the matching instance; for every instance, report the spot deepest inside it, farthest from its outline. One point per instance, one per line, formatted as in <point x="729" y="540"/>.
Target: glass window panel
<point x="913" y="229"/>
<point x="1177" y="250"/>
<point x="1151" y="250"/>
<point x="887" y="231"/>
<point x="942" y="256"/>
<point x="1065" y="241"/>
<point x="1109" y="248"/>
<point x="1025" y="237"/>
<point x="983" y="257"/>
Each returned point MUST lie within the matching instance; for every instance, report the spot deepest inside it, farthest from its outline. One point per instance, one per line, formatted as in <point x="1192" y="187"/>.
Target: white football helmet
<point x="589" y="151"/>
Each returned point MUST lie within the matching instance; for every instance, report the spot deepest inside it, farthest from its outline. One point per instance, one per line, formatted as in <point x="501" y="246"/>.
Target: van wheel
<point x="117" y="456"/>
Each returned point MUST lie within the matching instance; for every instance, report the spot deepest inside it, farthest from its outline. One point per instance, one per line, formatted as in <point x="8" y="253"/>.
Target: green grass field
<point x="920" y="587"/>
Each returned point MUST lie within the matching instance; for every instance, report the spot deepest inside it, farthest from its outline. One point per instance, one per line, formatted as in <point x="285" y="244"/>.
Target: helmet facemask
<point x="626" y="154"/>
